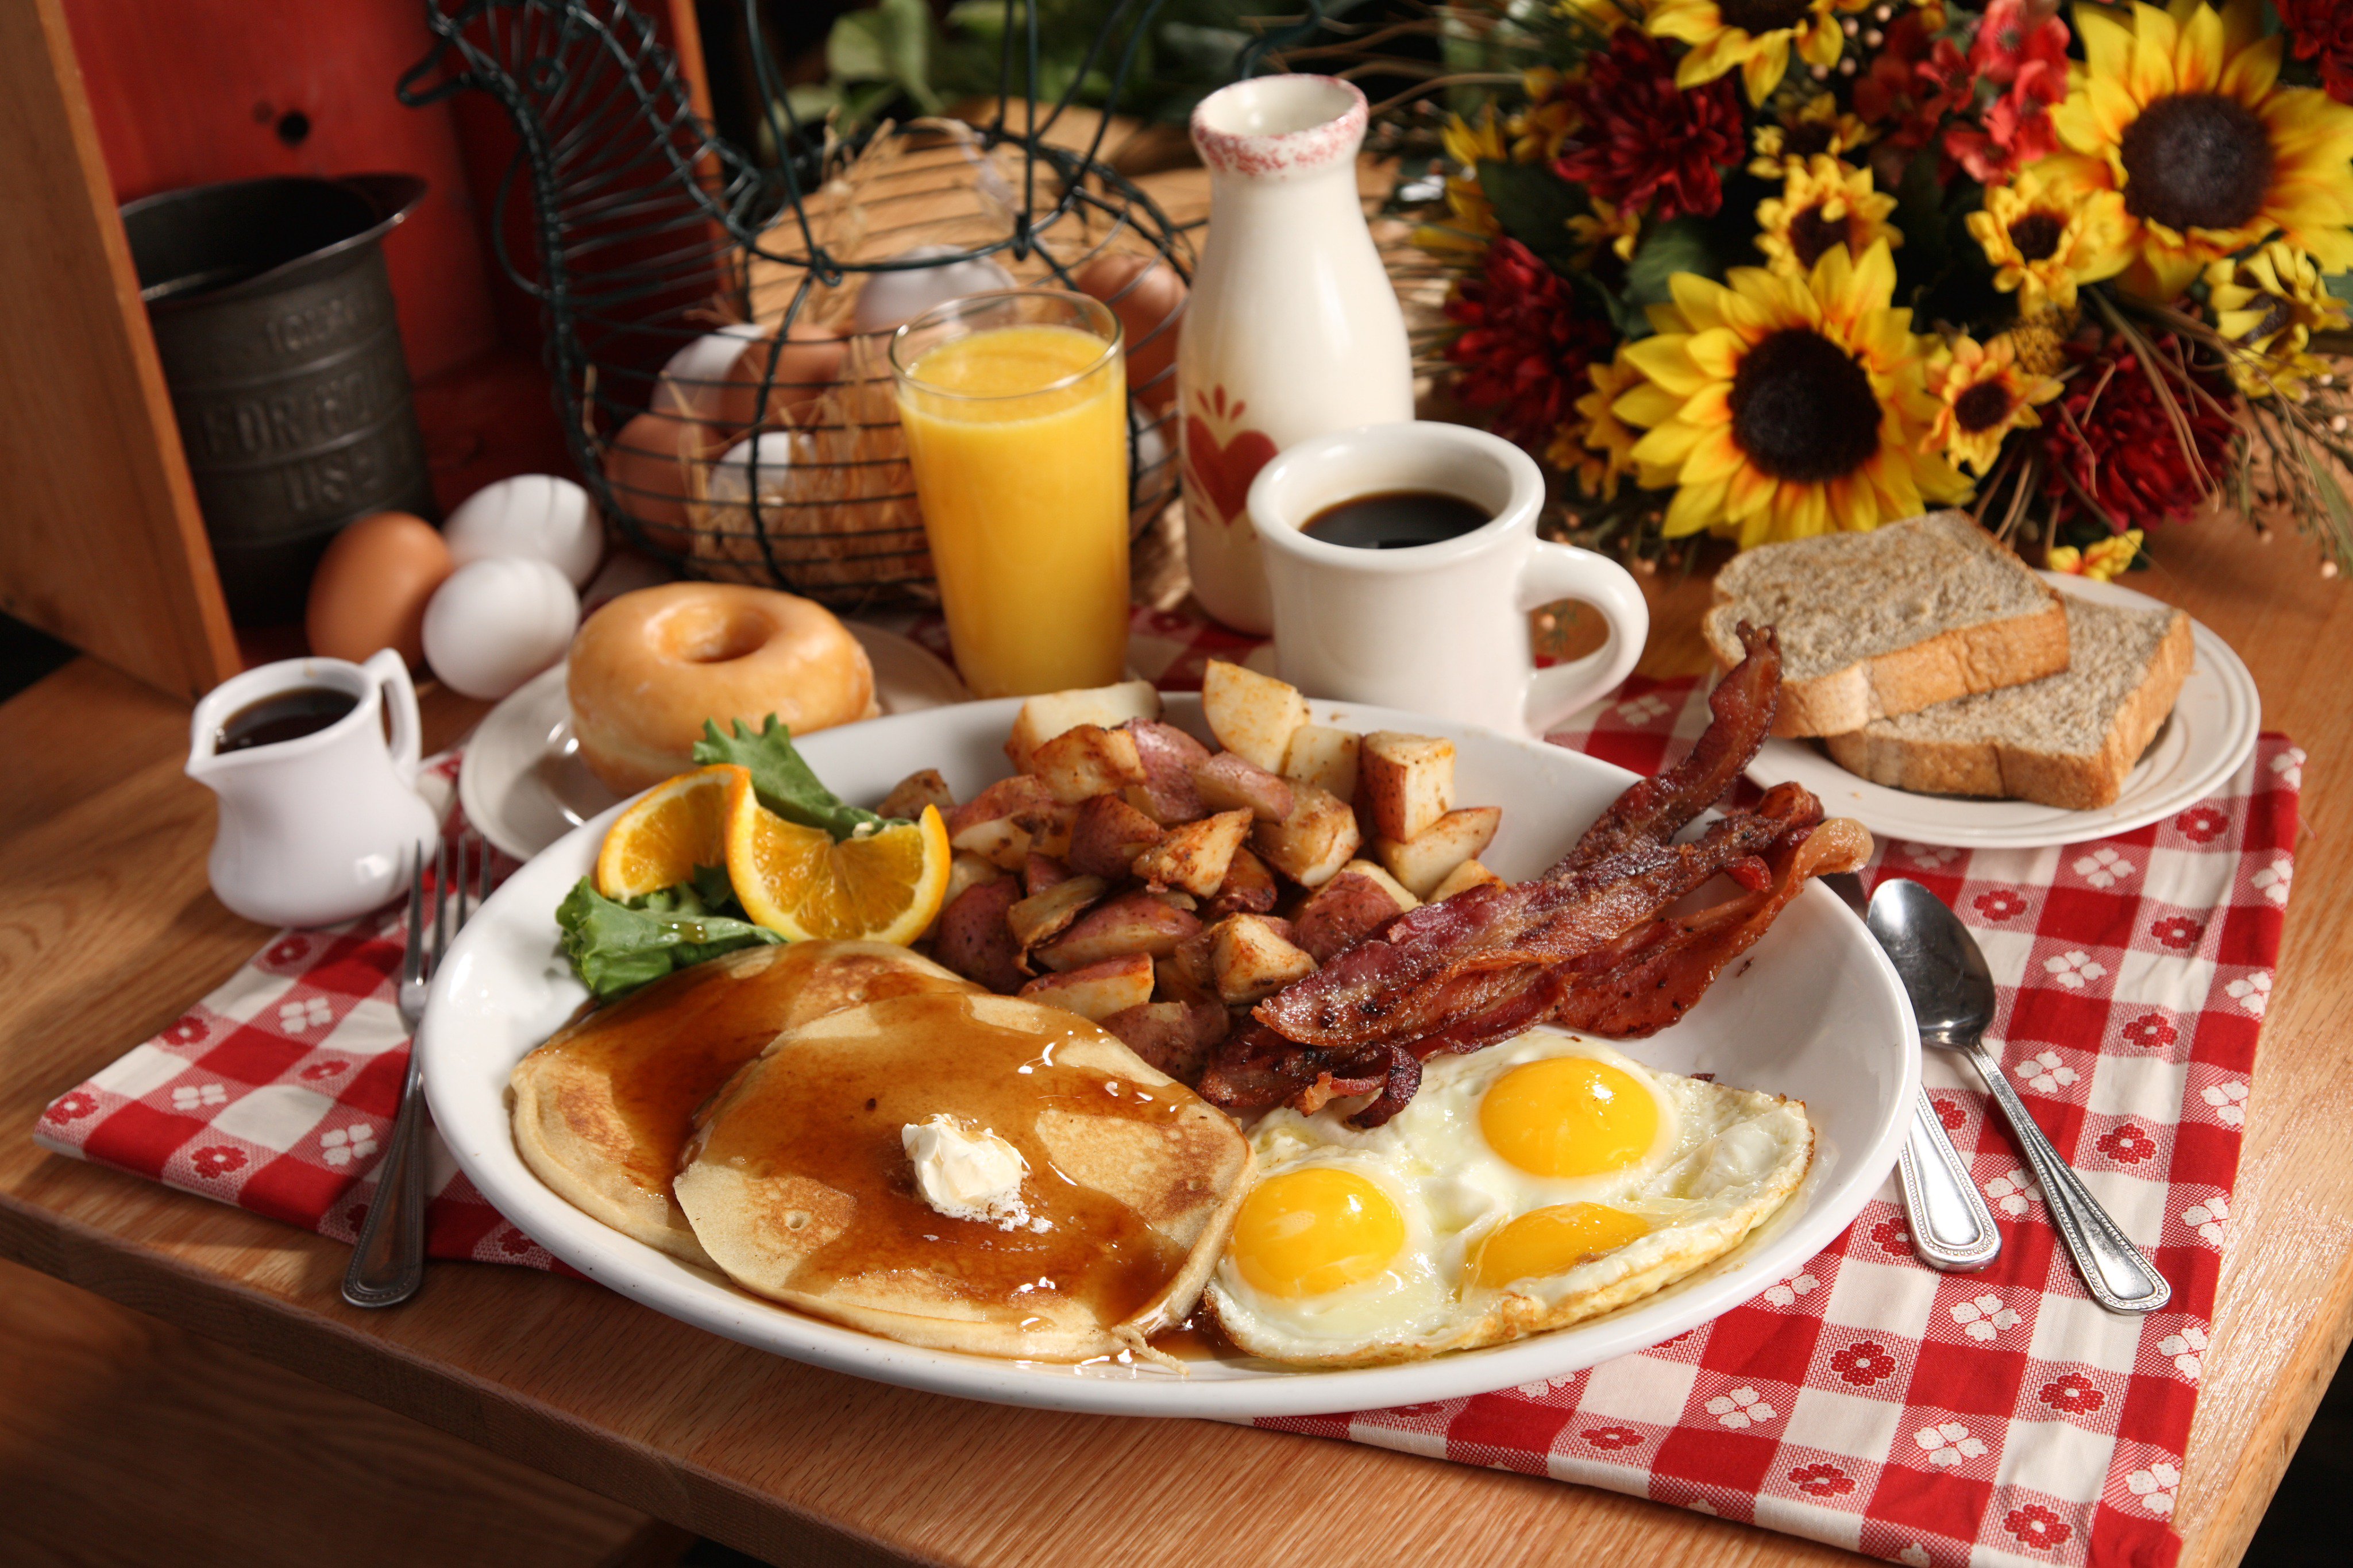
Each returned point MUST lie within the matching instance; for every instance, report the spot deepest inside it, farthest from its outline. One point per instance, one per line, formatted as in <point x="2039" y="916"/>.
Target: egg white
<point x="1723" y="1160"/>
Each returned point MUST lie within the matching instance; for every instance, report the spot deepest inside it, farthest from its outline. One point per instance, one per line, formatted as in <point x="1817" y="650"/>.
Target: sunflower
<point x="2103" y="559"/>
<point x="1818" y="130"/>
<point x="1983" y="394"/>
<point x="2042" y="244"/>
<point x="1471" y="216"/>
<point x="2181" y="111"/>
<point x="1752" y="35"/>
<point x="1823" y="204"/>
<point x="2271" y="302"/>
<point x="1596" y="446"/>
<point x="1538" y="130"/>
<point x="1781" y="407"/>
<point x="1617" y="228"/>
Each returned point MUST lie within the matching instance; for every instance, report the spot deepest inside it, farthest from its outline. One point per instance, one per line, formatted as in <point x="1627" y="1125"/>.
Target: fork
<point x="388" y="1262"/>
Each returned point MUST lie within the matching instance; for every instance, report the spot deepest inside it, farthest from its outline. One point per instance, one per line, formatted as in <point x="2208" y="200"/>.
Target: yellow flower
<point x="1983" y="394"/>
<point x="1754" y="37"/>
<point x="2103" y="560"/>
<point x="1537" y="130"/>
<point x="1618" y="227"/>
<point x="2043" y="245"/>
<point x="1596" y="446"/>
<point x="1781" y="407"/>
<point x="1823" y="204"/>
<point x="1602" y="15"/>
<point x="2271" y="302"/>
<point x="2181" y="111"/>
<point x="1471" y="216"/>
<point x="2039" y="340"/>
<point x="1818" y="130"/>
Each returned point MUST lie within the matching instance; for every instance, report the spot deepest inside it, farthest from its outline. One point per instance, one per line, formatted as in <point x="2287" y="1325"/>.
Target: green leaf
<point x="784" y="783"/>
<point x="1534" y="207"/>
<point x="616" y="949"/>
<point x="890" y="43"/>
<point x="1678" y="245"/>
<point x="857" y="49"/>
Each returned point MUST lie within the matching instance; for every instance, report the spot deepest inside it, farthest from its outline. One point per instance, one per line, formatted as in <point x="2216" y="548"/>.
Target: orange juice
<point x="1019" y="440"/>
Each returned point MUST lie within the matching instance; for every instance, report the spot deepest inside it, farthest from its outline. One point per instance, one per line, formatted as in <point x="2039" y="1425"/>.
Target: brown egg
<point x="1148" y="297"/>
<point x="371" y="588"/>
<point x="647" y="467"/>
<point x="806" y="368"/>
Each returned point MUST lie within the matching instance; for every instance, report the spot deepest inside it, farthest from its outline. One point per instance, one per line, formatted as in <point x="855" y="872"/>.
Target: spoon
<point x="1953" y="998"/>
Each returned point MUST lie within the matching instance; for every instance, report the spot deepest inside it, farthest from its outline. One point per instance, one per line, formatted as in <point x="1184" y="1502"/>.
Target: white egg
<point x="533" y="517"/>
<point x="1534" y="1184"/>
<point x="760" y="464"/>
<point x="698" y="379"/>
<point x="497" y="623"/>
<point x="889" y="299"/>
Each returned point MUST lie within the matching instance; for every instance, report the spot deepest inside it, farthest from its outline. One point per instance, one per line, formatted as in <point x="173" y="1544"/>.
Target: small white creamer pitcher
<point x="315" y="828"/>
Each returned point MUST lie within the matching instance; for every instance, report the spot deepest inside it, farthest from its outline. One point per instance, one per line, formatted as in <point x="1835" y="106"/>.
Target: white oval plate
<point x="522" y="782"/>
<point x="1816" y="1013"/>
<point x="2210" y="732"/>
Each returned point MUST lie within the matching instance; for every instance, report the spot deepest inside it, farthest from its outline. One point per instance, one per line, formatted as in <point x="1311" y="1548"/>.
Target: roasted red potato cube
<point x="1347" y="910"/>
<point x="1323" y="756"/>
<point x="1251" y="958"/>
<point x="1045" y="716"/>
<point x="1043" y="915"/>
<point x="1407" y="781"/>
<point x="1184" y="974"/>
<point x="972" y="938"/>
<point x="1086" y="761"/>
<point x="965" y="868"/>
<point x="1175" y="1037"/>
<point x="1248" y="890"/>
<point x="1003" y="822"/>
<point x="1251" y="714"/>
<point x="1314" y="841"/>
<point x="1425" y="861"/>
<point x="917" y="790"/>
<point x="1169" y="755"/>
<point x="1195" y="857"/>
<point x="1131" y="923"/>
<point x="1098" y="990"/>
<point x="1468" y="875"/>
<point x="1039" y="872"/>
<point x="1107" y="837"/>
<point x="1229" y="781"/>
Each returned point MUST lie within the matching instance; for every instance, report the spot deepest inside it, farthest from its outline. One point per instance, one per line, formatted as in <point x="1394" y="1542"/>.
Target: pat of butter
<point x="968" y="1175"/>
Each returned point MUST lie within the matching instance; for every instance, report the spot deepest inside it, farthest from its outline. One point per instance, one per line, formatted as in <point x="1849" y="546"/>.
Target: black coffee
<point x="289" y="716"/>
<point x="1396" y="520"/>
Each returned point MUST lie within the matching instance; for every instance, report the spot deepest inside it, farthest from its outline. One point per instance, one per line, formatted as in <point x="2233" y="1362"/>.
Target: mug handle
<point x="1563" y="572"/>
<point x="391" y="673"/>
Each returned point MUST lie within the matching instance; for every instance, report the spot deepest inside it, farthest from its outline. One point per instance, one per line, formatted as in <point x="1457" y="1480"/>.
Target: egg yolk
<point x="1554" y="1241"/>
<point x="1569" y="1116"/>
<point x="1305" y="1233"/>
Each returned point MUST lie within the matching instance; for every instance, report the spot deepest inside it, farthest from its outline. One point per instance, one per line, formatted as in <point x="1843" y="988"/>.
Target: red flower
<point x="1527" y="350"/>
<point x="2151" y="1032"/>
<point x="187" y="1031"/>
<point x="2109" y="438"/>
<point x="1613" y="1436"/>
<point x="70" y="1107"/>
<point x="2201" y="823"/>
<point x="2016" y="38"/>
<point x="1823" y="1480"/>
<point x="2126" y="1143"/>
<point x="2022" y="46"/>
<point x="1951" y="1115"/>
<point x="1912" y="85"/>
<point x="2038" y="1527"/>
<point x="2001" y="904"/>
<point x="1863" y="1363"/>
<point x="1641" y="138"/>
<point x="217" y="1160"/>
<point x="2322" y="30"/>
<point x="2179" y="932"/>
<point x="2073" y="1393"/>
<point x="1892" y="1238"/>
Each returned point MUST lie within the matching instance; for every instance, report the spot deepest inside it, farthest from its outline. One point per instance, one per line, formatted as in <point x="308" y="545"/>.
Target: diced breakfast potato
<point x="965" y="868"/>
<point x="1183" y="974"/>
<point x="1196" y="856"/>
<point x="917" y="790"/>
<point x="1249" y="957"/>
<point x="1085" y="761"/>
<point x="1323" y="756"/>
<point x="1357" y="901"/>
<point x="1108" y="836"/>
<point x="1003" y="822"/>
<point x="1039" y="872"/>
<point x="1099" y="990"/>
<point x="1249" y="713"/>
<point x="1229" y="781"/>
<point x="1314" y="841"/>
<point x="1048" y="914"/>
<point x="1469" y="874"/>
<point x="973" y="939"/>
<point x="1428" y="857"/>
<point x="1049" y="830"/>
<point x="1249" y="888"/>
<point x="1407" y="781"/>
<point x="1169" y="755"/>
<point x="1174" y="1036"/>
<point x="1131" y="923"/>
<point x="1044" y="717"/>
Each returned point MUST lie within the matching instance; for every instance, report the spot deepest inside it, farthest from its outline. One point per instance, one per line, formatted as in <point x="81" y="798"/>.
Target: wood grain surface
<point x="107" y="931"/>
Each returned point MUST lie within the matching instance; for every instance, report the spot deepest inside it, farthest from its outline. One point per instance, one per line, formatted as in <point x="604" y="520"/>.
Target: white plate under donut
<point x="522" y="782"/>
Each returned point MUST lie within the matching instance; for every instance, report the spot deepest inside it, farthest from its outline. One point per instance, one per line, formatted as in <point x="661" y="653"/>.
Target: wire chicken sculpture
<point x="700" y="309"/>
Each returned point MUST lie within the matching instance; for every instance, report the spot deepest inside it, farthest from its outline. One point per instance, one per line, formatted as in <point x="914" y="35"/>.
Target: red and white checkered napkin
<point x="1867" y="1401"/>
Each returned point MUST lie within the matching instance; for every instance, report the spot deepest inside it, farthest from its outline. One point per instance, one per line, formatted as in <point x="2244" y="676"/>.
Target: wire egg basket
<point x="718" y="332"/>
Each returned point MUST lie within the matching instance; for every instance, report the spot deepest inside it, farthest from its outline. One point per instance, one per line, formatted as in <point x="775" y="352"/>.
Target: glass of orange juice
<point x="1015" y="408"/>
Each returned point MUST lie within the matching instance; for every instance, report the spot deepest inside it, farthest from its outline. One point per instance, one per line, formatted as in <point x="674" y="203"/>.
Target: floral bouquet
<point x="1764" y="269"/>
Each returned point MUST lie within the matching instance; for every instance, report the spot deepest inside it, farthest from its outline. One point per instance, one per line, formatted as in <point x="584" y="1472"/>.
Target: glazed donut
<point x="650" y="667"/>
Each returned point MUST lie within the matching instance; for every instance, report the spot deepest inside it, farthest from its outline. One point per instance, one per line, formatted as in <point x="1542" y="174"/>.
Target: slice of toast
<point x="2066" y="741"/>
<point x="1881" y="624"/>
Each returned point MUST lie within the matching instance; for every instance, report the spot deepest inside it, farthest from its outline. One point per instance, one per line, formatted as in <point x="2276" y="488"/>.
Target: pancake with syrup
<point x="603" y="1110"/>
<point x="803" y="1180"/>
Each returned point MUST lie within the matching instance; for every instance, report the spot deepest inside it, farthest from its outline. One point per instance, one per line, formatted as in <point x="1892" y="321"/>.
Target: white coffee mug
<point x="1438" y="628"/>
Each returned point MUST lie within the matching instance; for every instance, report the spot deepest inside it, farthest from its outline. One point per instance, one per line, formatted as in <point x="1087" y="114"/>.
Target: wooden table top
<point x="107" y="931"/>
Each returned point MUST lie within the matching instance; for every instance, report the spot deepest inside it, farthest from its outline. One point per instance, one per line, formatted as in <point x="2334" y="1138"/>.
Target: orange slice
<point x="796" y="881"/>
<point x="680" y="825"/>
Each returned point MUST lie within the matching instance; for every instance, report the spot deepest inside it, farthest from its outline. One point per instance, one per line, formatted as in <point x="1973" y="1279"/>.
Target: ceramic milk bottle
<point x="1292" y="329"/>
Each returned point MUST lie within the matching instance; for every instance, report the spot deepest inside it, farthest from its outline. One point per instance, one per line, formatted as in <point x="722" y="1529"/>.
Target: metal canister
<point x="273" y="317"/>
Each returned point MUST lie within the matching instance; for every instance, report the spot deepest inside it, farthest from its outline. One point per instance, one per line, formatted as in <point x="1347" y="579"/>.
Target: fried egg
<point x="1531" y="1185"/>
